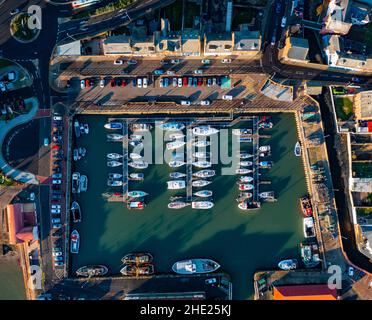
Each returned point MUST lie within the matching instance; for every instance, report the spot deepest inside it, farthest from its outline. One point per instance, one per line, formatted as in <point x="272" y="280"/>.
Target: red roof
<point x="305" y="292"/>
<point x="21" y="224"/>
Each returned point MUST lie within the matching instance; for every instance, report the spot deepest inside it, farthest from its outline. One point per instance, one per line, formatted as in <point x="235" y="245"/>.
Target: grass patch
<point x="174" y="14"/>
<point x="344" y="108"/>
<point x="364" y="211"/>
<point x="20" y="30"/>
<point x="5" y="181"/>
<point x="362" y="170"/>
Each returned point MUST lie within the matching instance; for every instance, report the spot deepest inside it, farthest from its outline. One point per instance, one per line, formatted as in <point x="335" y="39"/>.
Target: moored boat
<point x="175" y="144"/>
<point x="267" y="195"/>
<point x="246" y="179"/>
<point x="137" y="194"/>
<point x="244" y="155"/>
<point x="307" y="208"/>
<point x="243" y="171"/>
<point x="136" y="205"/>
<point x="289" y="264"/>
<point x="113" y="125"/>
<point x="176" y="163"/>
<point x="141" y="127"/>
<point x="202" y="164"/>
<point x="77" y="128"/>
<point x="245" y="163"/>
<point x="245" y="186"/>
<point x="176" y="184"/>
<point x="244" y="196"/>
<point x="248" y="205"/>
<point x="265" y="125"/>
<point x="136" y="143"/>
<point x="241" y="132"/>
<point x="265" y="164"/>
<point x="138" y="164"/>
<point x="201" y="143"/>
<point x="74" y="242"/>
<point x="202" y="205"/>
<point x="137" y="258"/>
<point x="177" y="175"/>
<point x="76" y="212"/>
<point x="310" y="254"/>
<point x="135" y="156"/>
<point x="86" y="128"/>
<point x="114" y="183"/>
<point x="92" y="271"/>
<point x="204" y="173"/>
<point x="204" y="130"/>
<point x="115" y="175"/>
<point x="75" y="154"/>
<point x="177" y="205"/>
<point x="309" y="229"/>
<point x="201" y="183"/>
<point x="115" y="136"/>
<point x="172" y="126"/>
<point x="297" y="149"/>
<point x="204" y="193"/>
<point x="194" y="266"/>
<point x="137" y="176"/>
<point x="176" y="136"/>
<point x="114" y="163"/>
<point x="114" y="156"/>
<point x="136" y="137"/>
<point x="76" y="182"/>
<point x="202" y="155"/>
<point x="83" y="183"/>
<point x="132" y="270"/>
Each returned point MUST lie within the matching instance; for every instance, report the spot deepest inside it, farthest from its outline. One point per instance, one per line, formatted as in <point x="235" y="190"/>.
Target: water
<point x="11" y="280"/>
<point x="242" y="242"/>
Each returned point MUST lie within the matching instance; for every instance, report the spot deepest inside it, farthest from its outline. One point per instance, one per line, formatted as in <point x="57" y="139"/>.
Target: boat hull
<point x="196" y="266"/>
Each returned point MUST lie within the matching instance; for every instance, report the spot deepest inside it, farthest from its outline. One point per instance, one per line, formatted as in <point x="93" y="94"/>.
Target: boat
<point x="265" y="125"/>
<point x="83" y="183"/>
<point x="245" y="163"/>
<point x="244" y="187"/>
<point x="204" y="131"/>
<point x="244" y="139"/>
<point x="137" y="176"/>
<point x="202" y="164"/>
<point x="248" y="205"/>
<point x="244" y="155"/>
<point x="113" y="125"/>
<point x="92" y="271"/>
<point x="82" y="130"/>
<point x="201" y="143"/>
<point x="265" y="148"/>
<point x="76" y="182"/>
<point x="310" y="254"/>
<point x="115" y="136"/>
<point x="132" y="270"/>
<point x="246" y="179"/>
<point x="201" y="183"/>
<point x="176" y="163"/>
<point x="115" y="175"/>
<point x="76" y="154"/>
<point x="74" y="242"/>
<point x="177" y="205"/>
<point x="204" y="193"/>
<point x="136" y="143"/>
<point x="267" y="195"/>
<point x="114" y="156"/>
<point x="114" y="183"/>
<point x="172" y="126"/>
<point x="137" y="258"/>
<point x="176" y="184"/>
<point x="265" y="164"/>
<point x="135" y="156"/>
<point x="82" y="152"/>
<point x="193" y="266"/>
<point x="243" y="196"/>
<point x="77" y="128"/>
<point x="297" y="149"/>
<point x="202" y="205"/>
<point x="201" y="154"/>
<point x="204" y="173"/>
<point x="136" y="205"/>
<point x="137" y="194"/>
<point x="76" y="212"/>
<point x="307" y="209"/>
<point x="176" y="136"/>
<point x="290" y="264"/>
<point x="241" y="132"/>
<point x="136" y="137"/>
<point x="177" y="175"/>
<point x="86" y="128"/>
<point x="243" y="171"/>
<point x="141" y="127"/>
<point x="138" y="164"/>
<point x="309" y="229"/>
<point x="114" y="163"/>
<point x="175" y="145"/>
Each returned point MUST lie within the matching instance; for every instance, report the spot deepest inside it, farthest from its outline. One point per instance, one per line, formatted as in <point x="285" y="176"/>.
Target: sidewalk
<point x="21" y="176"/>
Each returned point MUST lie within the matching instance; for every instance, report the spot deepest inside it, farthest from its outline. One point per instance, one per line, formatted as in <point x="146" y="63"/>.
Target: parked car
<point x="175" y="81"/>
<point x="164" y="62"/>
<point x="185" y="102"/>
<point x="158" y="72"/>
<point x="57" y="254"/>
<point x="209" y="82"/>
<point x="118" y="62"/>
<point x="179" y="82"/>
<point x="139" y="83"/>
<point x="210" y="281"/>
<point x="132" y="62"/>
<point x="284" y="22"/>
<point x="46" y="142"/>
<point x="57" y="175"/>
<point x="199" y="71"/>
<point x="56" y="249"/>
<point x="56" y="181"/>
<point x="170" y="73"/>
<point x="166" y="82"/>
<point x="200" y="81"/>
<point x="227" y="97"/>
<point x="112" y="83"/>
<point x="56" y="226"/>
<point x="82" y="84"/>
<point x="161" y="82"/>
<point x="87" y="83"/>
<point x="32" y="196"/>
<point x="56" y="197"/>
<point x="189" y="84"/>
<point x="57" y="233"/>
<point x="214" y="81"/>
<point x="56" y="206"/>
<point x="175" y="61"/>
<point x="205" y="102"/>
<point x="102" y="83"/>
<point x="58" y="264"/>
<point x="144" y="82"/>
<point x="119" y="82"/>
<point x="56" y="220"/>
<point x="58" y="259"/>
<point x="226" y="61"/>
<point x="206" y="61"/>
<point x="350" y="272"/>
<point x="55" y="211"/>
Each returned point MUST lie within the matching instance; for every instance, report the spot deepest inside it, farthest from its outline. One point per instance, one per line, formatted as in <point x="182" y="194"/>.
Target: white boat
<point x="244" y="195"/>
<point x="177" y="205"/>
<point x="204" y="173"/>
<point x="115" y="175"/>
<point x="86" y="128"/>
<point x="83" y="183"/>
<point x="202" y="164"/>
<point x="82" y="152"/>
<point x="240" y="132"/>
<point x="246" y="179"/>
<point x="76" y="155"/>
<point x="297" y="149"/>
<point x="176" y="136"/>
<point x="176" y="163"/>
<point x="202" y="205"/>
<point x="204" y="131"/>
<point x="172" y="126"/>
<point x="266" y="148"/>
<point x="115" y="136"/>
<point x="244" y="155"/>
<point x="114" y="163"/>
<point x="76" y="182"/>
<point x="113" y="125"/>
<point x="114" y="156"/>
<point x="194" y="266"/>
<point x="135" y="156"/>
<point x="201" y="183"/>
<point x="248" y="205"/>
<point x="138" y="164"/>
<point x="77" y="128"/>
<point x="265" y="164"/>
<point x="245" y="186"/>
<point x="201" y="143"/>
<point x="114" y="183"/>
<point x="136" y="143"/>
<point x="136" y="137"/>
<point x="290" y="264"/>
<point x="74" y="241"/>
<point x="175" y="144"/>
<point x="243" y="171"/>
<point x="141" y="127"/>
<point x="309" y="229"/>
<point x="267" y="195"/>
<point x="137" y="176"/>
<point x="177" y="175"/>
<point x="202" y="154"/>
<point x="245" y="163"/>
<point x="176" y="184"/>
<point x="137" y="194"/>
<point x="204" y="193"/>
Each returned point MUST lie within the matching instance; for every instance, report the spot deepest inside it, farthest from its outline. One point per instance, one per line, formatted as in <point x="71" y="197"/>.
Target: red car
<point x="184" y="81"/>
<point x="200" y="82"/>
<point x="124" y="83"/>
<point x="112" y="83"/>
<point x="87" y="83"/>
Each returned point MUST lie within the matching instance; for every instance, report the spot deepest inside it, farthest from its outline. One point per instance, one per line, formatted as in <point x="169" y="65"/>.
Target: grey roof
<point x="247" y="41"/>
<point x="299" y="48"/>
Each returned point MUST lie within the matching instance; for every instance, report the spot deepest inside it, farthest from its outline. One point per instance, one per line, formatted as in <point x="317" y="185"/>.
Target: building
<point x="191" y="43"/>
<point x="117" y="45"/>
<point x="69" y="49"/>
<point x="144" y="46"/>
<point x="363" y="105"/>
<point x="304" y="292"/>
<point x="336" y="20"/>
<point x="246" y="42"/>
<point x="218" y="44"/>
<point x="295" y="49"/>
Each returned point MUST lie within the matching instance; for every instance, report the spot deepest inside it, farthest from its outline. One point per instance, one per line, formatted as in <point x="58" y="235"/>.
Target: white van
<point x="227" y="97"/>
<point x="185" y="102"/>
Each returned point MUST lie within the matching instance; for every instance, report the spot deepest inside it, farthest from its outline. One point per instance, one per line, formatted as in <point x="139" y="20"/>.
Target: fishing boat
<point x="265" y="164"/>
<point x="267" y="196"/>
<point x="137" y="194"/>
<point x="137" y="176"/>
<point x="265" y="148"/>
<point x="309" y="229"/>
<point x="114" y="163"/>
<point x="136" y="143"/>
<point x="83" y="183"/>
<point x="201" y="154"/>
<point x="177" y="175"/>
<point x="244" y="187"/>
<point x="74" y="242"/>
<point x="245" y="179"/>
<point x="297" y="149"/>
<point x="310" y="254"/>
<point x="176" y="163"/>
<point x="265" y="125"/>
<point x="245" y="163"/>
<point x="136" y="205"/>
<point x="177" y="205"/>
<point x="175" y="145"/>
<point x="77" y="128"/>
<point x="241" y="132"/>
<point x="201" y="183"/>
<point x="114" y="156"/>
<point x="201" y="143"/>
<point x="115" y="175"/>
<point x="204" y="131"/>
<point x="115" y="136"/>
<point x="290" y="264"/>
<point x="194" y="266"/>
<point x="244" y="155"/>
<point x="76" y="212"/>
<point x="172" y="126"/>
<point x="75" y="154"/>
<point x="141" y="127"/>
<point x="137" y="258"/>
<point x="176" y="184"/>
<point x="114" y="183"/>
<point x="204" y="193"/>
<point x="204" y="173"/>
<point x="243" y="171"/>
<point x="202" y="164"/>
<point x="135" y="156"/>
<point x="249" y="205"/>
<point x="132" y="270"/>
<point x="76" y="182"/>
<point x="307" y="208"/>
<point x="113" y="125"/>
<point x="176" y="136"/>
<point x="138" y="164"/>
<point x="92" y="271"/>
<point x="243" y="196"/>
<point x="136" y="137"/>
<point x="202" y="205"/>
<point x="86" y="128"/>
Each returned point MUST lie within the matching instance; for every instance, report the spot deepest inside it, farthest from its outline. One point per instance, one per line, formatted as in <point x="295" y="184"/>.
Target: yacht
<point x="137" y="176"/>
<point x="194" y="266"/>
<point x="176" y="163"/>
<point x="245" y="179"/>
<point x="113" y="125"/>
<point x="138" y="164"/>
<point x="241" y="132"/>
<point x="201" y="143"/>
<point x="133" y="270"/>
<point x="244" y="196"/>
<point x="201" y="183"/>
<point x="137" y="194"/>
<point x="135" y="156"/>
<point x="297" y="149"/>
<point x="137" y="258"/>
<point x="76" y="182"/>
<point x="267" y="195"/>
<point x="114" y="163"/>
<point x="202" y="205"/>
<point x="248" y="205"/>
<point x="115" y="175"/>
<point x="245" y="163"/>
<point x="92" y="271"/>
<point x="141" y="127"/>
<point x="176" y="184"/>
<point x="244" y="155"/>
<point x="114" y="156"/>
<point x="175" y="145"/>
<point x="204" y="193"/>
<point x="74" y="242"/>
<point x="114" y="183"/>
<point x="204" y="131"/>
<point x="176" y="136"/>
<point x="243" y="171"/>
<point x="309" y="229"/>
<point x="204" y="173"/>
<point x="172" y="126"/>
<point x="77" y="128"/>
<point x="245" y="187"/>
<point x="177" y="175"/>
<point x="290" y="264"/>
<point x="136" y="205"/>
<point x="177" y="205"/>
<point x="115" y="136"/>
<point x="202" y="164"/>
<point x="265" y="148"/>
<point x="83" y="183"/>
<point x="201" y="154"/>
<point x="76" y="212"/>
<point x="86" y="128"/>
<point x="136" y="143"/>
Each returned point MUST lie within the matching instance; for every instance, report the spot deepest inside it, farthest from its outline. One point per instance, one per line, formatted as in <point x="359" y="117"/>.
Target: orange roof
<point x="305" y="292"/>
<point x="20" y="224"/>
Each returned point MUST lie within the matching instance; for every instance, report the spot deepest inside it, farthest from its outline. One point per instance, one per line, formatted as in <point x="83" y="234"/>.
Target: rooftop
<point x="305" y="292"/>
<point x="299" y="48"/>
<point x="247" y="40"/>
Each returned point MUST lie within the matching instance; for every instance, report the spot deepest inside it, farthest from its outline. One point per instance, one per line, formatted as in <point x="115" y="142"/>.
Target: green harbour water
<point x="241" y="241"/>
